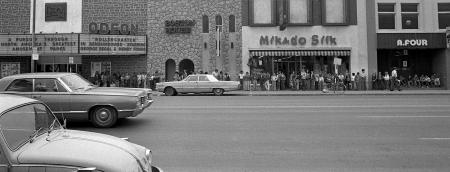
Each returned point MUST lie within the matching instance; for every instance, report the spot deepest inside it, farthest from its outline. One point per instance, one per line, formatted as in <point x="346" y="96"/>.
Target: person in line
<point x="395" y="84"/>
<point x="241" y="80"/>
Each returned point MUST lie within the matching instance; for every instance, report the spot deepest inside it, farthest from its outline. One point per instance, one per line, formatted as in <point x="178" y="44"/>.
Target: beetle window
<point x="203" y="78"/>
<point x="18" y="125"/>
<point x="21" y="85"/>
<point x="48" y="85"/>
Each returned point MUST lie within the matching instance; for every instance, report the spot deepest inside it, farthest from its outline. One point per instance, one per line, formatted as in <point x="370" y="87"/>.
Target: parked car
<point x="71" y="96"/>
<point x="32" y="139"/>
<point x="200" y="83"/>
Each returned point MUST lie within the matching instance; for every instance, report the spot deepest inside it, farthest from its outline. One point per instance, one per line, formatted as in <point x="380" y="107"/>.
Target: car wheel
<point x="170" y="91"/>
<point x="218" y="91"/>
<point x="104" y="116"/>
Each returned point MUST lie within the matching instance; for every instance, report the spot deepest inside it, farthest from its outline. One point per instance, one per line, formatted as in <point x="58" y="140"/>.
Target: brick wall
<point x="163" y="46"/>
<point x="15" y="16"/>
<point x="115" y="11"/>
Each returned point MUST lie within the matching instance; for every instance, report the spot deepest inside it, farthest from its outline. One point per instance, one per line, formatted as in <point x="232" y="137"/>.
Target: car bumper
<point x="135" y="112"/>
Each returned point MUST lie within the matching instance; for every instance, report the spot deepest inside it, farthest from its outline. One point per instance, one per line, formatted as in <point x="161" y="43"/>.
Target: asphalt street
<point x="293" y="133"/>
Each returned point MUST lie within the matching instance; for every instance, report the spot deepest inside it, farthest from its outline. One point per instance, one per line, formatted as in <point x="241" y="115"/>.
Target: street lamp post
<point x="34" y="51"/>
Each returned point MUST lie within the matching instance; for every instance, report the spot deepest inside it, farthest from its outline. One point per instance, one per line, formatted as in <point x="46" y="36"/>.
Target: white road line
<point x="399" y="116"/>
<point x="297" y="106"/>
<point x="436" y="138"/>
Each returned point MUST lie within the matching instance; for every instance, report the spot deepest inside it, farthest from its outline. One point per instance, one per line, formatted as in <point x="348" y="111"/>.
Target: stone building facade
<point x="14" y="16"/>
<point x="196" y="48"/>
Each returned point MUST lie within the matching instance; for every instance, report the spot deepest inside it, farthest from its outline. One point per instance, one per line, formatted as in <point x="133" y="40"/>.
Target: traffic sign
<point x="35" y="56"/>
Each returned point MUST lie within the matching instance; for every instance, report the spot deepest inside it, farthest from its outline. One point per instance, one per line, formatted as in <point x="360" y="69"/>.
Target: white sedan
<point x="199" y="83"/>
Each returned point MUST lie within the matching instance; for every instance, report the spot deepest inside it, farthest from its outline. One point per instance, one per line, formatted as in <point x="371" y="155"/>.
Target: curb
<point x="396" y="93"/>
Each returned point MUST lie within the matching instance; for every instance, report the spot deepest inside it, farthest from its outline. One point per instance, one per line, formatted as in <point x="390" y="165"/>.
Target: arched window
<point x="231" y="24"/>
<point x="205" y="24"/>
<point x="219" y="23"/>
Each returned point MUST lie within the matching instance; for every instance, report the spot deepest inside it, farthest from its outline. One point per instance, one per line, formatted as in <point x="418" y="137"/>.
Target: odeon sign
<point x="113" y="29"/>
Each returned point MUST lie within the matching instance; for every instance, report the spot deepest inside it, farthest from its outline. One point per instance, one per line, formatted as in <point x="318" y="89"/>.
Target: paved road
<point x="293" y="133"/>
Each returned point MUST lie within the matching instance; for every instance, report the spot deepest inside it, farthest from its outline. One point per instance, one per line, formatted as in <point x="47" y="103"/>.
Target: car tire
<point x="169" y="91"/>
<point x="218" y="91"/>
<point x="104" y="116"/>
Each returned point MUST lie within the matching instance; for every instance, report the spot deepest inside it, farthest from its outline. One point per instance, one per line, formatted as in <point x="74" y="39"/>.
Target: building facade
<point x="411" y="36"/>
<point x="194" y="35"/>
<point x="86" y="37"/>
<point x="326" y="37"/>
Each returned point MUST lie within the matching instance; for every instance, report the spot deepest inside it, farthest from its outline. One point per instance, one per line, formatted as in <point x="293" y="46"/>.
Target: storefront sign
<point x="112" y="44"/>
<point x="411" y="40"/>
<point x="179" y="26"/>
<point x="55" y="12"/>
<point x="47" y="44"/>
<point x="113" y="29"/>
<point x="412" y="43"/>
<point x="314" y="40"/>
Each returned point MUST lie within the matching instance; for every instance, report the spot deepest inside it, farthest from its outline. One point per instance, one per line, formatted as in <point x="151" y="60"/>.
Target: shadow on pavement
<point x="121" y="123"/>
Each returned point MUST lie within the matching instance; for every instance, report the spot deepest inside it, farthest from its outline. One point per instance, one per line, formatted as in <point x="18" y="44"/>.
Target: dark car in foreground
<point x="32" y="139"/>
<point x="72" y="97"/>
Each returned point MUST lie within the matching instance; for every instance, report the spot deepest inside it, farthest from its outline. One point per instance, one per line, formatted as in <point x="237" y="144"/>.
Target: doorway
<point x="170" y="69"/>
<point x="187" y="65"/>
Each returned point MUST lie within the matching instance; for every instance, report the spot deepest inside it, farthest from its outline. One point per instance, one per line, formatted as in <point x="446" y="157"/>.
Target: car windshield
<point x="76" y="82"/>
<point x="24" y="124"/>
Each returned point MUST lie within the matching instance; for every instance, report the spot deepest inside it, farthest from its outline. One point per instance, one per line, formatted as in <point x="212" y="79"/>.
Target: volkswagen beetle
<point x="32" y="139"/>
<point x="71" y="95"/>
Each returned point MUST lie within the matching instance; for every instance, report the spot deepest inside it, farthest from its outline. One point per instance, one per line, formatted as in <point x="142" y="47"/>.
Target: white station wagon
<point x="200" y="83"/>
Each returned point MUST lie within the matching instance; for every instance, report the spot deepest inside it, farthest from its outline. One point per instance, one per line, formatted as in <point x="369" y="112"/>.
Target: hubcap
<point x="103" y="115"/>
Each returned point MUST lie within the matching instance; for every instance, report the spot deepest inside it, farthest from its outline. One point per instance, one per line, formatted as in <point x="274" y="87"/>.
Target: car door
<point x="21" y="87"/>
<point x="204" y="84"/>
<point x="51" y="92"/>
<point x="3" y="162"/>
<point x="191" y="84"/>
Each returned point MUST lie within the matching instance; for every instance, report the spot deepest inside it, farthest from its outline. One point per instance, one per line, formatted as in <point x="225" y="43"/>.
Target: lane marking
<point x="297" y="106"/>
<point x="436" y="138"/>
<point x="399" y="116"/>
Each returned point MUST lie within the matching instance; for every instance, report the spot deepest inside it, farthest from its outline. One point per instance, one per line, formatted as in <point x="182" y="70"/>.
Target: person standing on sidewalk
<point x="395" y="83"/>
<point x="241" y="80"/>
<point x="364" y="79"/>
<point x="386" y="78"/>
<point x="303" y="79"/>
<point x="273" y="80"/>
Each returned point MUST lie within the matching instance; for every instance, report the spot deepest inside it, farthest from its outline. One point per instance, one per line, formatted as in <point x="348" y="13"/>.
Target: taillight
<point x="142" y="100"/>
<point x="149" y="96"/>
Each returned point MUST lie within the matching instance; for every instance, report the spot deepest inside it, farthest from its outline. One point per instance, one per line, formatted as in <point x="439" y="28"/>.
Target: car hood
<point x="85" y="149"/>
<point x="116" y="91"/>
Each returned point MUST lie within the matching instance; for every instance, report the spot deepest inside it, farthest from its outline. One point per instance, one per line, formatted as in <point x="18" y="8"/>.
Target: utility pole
<point x="34" y="51"/>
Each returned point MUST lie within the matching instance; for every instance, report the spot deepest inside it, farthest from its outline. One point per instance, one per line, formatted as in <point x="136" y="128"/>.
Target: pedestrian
<point x="227" y="77"/>
<point x="273" y="80"/>
<point x="241" y="80"/>
<point x="386" y="78"/>
<point x="395" y="83"/>
<point x="364" y="80"/>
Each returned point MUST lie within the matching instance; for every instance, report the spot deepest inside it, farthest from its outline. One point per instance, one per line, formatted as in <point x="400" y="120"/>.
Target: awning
<point x="275" y="53"/>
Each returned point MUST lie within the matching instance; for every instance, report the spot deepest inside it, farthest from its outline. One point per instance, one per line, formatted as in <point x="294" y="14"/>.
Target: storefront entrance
<point x="59" y="64"/>
<point x="187" y="65"/>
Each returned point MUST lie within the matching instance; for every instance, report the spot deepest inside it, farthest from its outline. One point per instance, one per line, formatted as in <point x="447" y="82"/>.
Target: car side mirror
<point x="90" y="169"/>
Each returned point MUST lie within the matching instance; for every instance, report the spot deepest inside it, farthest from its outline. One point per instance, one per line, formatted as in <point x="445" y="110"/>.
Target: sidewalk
<point x="330" y="93"/>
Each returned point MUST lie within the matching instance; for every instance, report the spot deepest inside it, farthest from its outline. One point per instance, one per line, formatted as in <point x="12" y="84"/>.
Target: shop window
<point x="334" y="12"/>
<point x="444" y="15"/>
<point x="262" y="12"/>
<point x="205" y="22"/>
<point x="299" y="12"/>
<point x="410" y="16"/>
<point x="386" y="16"/>
<point x="231" y="23"/>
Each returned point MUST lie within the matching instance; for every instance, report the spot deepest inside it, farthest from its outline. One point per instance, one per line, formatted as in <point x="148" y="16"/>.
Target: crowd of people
<point x="303" y="80"/>
<point x="125" y="79"/>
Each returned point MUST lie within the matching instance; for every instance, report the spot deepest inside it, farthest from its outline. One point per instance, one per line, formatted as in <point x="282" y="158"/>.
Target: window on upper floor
<point x="205" y="23"/>
<point x="410" y="15"/>
<point x="219" y="23"/>
<point x="262" y="12"/>
<point x="334" y="12"/>
<point x="386" y="16"/>
<point x="231" y="23"/>
<point x="299" y="12"/>
<point x="444" y="15"/>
